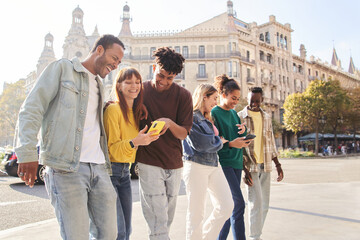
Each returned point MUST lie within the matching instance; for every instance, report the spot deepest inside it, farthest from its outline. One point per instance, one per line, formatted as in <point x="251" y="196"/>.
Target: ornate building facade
<point x="252" y="54"/>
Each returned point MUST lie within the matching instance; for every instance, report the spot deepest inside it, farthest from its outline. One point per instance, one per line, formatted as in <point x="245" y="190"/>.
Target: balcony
<point x="250" y="80"/>
<point x="202" y="77"/>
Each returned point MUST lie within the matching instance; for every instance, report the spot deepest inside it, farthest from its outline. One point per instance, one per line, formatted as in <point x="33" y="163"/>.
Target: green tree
<point x="338" y="103"/>
<point x="304" y="110"/>
<point x="351" y="115"/>
<point x="10" y="102"/>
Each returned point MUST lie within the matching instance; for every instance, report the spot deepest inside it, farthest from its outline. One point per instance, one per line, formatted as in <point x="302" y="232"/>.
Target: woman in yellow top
<point x="121" y="120"/>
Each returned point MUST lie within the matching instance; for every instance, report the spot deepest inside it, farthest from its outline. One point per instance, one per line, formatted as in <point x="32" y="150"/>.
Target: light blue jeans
<point x="258" y="201"/>
<point x="80" y="196"/>
<point x="121" y="181"/>
<point x="159" y="189"/>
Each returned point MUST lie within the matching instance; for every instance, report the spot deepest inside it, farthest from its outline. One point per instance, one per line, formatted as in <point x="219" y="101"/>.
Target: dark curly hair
<point x="169" y="60"/>
<point x="257" y="90"/>
<point x="224" y="84"/>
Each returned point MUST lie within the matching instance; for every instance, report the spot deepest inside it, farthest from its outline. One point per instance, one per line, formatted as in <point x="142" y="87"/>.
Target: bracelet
<point x="278" y="165"/>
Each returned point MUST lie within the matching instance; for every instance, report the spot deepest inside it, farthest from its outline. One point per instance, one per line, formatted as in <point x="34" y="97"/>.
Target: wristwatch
<point x="132" y="144"/>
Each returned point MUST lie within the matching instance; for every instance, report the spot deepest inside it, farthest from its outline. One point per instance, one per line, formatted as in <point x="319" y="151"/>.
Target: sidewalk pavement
<point x="298" y="211"/>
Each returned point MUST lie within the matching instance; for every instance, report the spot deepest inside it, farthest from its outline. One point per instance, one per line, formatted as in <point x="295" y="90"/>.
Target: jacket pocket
<point x="68" y="94"/>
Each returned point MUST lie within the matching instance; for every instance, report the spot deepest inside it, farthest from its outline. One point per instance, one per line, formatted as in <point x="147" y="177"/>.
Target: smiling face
<point x="229" y="101"/>
<point x="210" y="102"/>
<point x="162" y="80"/>
<point x="255" y="100"/>
<point x="107" y="60"/>
<point x="130" y="88"/>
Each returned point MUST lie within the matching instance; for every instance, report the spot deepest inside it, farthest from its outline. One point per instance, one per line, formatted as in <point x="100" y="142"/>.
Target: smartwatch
<point x="132" y="144"/>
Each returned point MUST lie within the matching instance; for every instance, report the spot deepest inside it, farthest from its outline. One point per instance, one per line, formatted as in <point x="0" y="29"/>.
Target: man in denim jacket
<point x="66" y="104"/>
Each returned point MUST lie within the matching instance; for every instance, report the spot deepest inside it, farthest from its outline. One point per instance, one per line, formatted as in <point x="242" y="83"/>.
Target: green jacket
<point x="57" y="106"/>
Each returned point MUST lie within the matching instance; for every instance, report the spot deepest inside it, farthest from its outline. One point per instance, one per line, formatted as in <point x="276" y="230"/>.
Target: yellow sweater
<point x="119" y="133"/>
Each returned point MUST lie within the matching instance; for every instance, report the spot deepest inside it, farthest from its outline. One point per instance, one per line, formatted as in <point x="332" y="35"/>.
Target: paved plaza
<point x="318" y="199"/>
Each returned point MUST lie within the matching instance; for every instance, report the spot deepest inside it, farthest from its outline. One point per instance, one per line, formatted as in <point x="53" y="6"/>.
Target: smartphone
<point x="250" y="136"/>
<point x="157" y="126"/>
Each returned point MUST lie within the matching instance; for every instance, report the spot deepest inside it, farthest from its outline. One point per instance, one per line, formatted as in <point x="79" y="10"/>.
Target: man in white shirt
<point x="66" y="103"/>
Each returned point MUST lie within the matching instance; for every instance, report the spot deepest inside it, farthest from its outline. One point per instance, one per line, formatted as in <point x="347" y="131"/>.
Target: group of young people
<point x="88" y="151"/>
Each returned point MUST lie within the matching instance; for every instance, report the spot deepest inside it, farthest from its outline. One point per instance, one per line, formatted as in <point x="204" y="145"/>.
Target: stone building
<point x="252" y="54"/>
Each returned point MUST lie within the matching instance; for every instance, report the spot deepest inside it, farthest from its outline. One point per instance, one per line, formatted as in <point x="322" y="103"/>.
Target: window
<point x="177" y="49"/>
<point x="300" y="69"/>
<point x="287" y="66"/>
<point x="201" y="51"/>
<point x="152" y="50"/>
<point x="323" y="76"/>
<point x="230" y="69"/>
<point x="287" y="80"/>
<point x="248" y="55"/>
<point x="282" y="63"/>
<point x="262" y="58"/>
<point x="151" y="72"/>
<point x="185" y="51"/>
<point x="309" y="71"/>
<point x="271" y="76"/>
<point x="202" y="70"/>
<point x="294" y="67"/>
<point x="282" y="41"/>
<point x="284" y="80"/>
<point x="269" y="58"/>
<point x="272" y="94"/>
<point x="316" y="73"/>
<point x="279" y="79"/>
<point x="285" y="42"/>
<point x="279" y="61"/>
<point x="261" y="38"/>
<point x="272" y="115"/>
<point x="267" y="37"/>
<point x="278" y="39"/>
<point x="248" y="72"/>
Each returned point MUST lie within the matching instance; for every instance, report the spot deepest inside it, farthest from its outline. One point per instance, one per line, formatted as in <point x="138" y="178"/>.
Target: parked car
<point x="11" y="167"/>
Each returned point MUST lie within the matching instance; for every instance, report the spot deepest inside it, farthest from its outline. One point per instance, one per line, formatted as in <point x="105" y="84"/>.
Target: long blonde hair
<point x="201" y="91"/>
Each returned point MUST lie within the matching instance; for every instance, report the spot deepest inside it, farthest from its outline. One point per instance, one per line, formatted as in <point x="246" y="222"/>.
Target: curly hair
<point x="169" y="60"/>
<point x="257" y="90"/>
<point x="226" y="85"/>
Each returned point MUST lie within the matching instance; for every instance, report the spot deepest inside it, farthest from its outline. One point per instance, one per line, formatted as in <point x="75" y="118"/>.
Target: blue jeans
<point x="233" y="176"/>
<point x="121" y="181"/>
<point x="159" y="189"/>
<point x="78" y="196"/>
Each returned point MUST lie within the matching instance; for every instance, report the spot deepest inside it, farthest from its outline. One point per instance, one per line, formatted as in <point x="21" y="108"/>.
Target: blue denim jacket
<point x="201" y="145"/>
<point x="57" y="105"/>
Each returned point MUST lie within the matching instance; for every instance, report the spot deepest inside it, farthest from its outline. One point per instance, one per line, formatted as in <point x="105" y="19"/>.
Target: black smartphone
<point x="250" y="136"/>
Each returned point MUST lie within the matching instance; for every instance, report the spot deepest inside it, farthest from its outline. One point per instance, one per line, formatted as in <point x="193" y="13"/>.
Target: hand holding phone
<point x="156" y="126"/>
<point x="250" y="136"/>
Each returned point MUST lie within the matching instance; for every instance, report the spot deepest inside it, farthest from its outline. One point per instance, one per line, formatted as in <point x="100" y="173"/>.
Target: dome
<point x="49" y="37"/>
<point x="78" y="10"/>
<point x="126" y="8"/>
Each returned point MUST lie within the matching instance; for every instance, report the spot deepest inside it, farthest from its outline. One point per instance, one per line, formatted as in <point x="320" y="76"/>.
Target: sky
<point x="318" y="24"/>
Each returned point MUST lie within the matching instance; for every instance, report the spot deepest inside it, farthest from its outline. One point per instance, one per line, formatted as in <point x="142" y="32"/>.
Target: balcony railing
<point x="194" y="56"/>
<point x="250" y="80"/>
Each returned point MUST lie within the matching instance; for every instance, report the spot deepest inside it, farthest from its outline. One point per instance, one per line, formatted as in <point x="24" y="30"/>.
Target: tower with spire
<point x="76" y="42"/>
<point x="335" y="61"/>
<point x="47" y="55"/>
<point x="352" y="68"/>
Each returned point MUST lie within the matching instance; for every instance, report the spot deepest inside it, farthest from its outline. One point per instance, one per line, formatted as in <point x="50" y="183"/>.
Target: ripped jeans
<point x="159" y="189"/>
